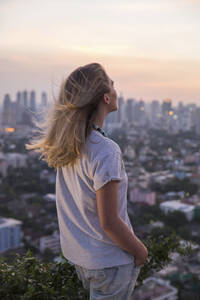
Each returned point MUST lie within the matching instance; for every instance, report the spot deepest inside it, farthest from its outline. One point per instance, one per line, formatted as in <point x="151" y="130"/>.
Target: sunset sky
<point x="150" y="48"/>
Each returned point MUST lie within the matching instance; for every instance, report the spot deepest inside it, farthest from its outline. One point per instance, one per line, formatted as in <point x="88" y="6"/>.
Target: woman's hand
<point x="141" y="257"/>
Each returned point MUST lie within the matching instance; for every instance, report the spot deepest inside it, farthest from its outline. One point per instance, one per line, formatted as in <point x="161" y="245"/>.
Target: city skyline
<point x="149" y="48"/>
<point x="38" y="96"/>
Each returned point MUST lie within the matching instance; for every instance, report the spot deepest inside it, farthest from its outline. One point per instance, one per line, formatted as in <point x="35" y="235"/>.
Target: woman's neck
<point x="99" y="120"/>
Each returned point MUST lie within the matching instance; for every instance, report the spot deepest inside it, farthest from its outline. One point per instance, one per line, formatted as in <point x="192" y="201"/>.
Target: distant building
<point x="19" y="107"/>
<point x="129" y="110"/>
<point x="44" y="99"/>
<point x="48" y="175"/>
<point x="51" y="242"/>
<point x="16" y="160"/>
<point x="156" y="289"/>
<point x="129" y="152"/>
<point x="174" y="205"/>
<point x="25" y="99"/>
<point x="10" y="234"/>
<point x="7" y="110"/>
<point x="139" y="112"/>
<point x="50" y="197"/>
<point x="155" y="112"/>
<point x="197" y="120"/>
<point x="166" y="113"/>
<point x="167" y="270"/>
<point x="142" y="196"/>
<point x="120" y="109"/>
<point x="32" y="101"/>
<point x="3" y="164"/>
<point x="166" y="106"/>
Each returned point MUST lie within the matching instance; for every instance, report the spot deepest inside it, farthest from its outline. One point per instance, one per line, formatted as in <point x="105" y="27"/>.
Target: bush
<point x="29" y="279"/>
<point x="159" y="250"/>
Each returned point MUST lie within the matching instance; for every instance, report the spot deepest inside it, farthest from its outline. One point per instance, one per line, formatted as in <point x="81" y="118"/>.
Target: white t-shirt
<point x="83" y="242"/>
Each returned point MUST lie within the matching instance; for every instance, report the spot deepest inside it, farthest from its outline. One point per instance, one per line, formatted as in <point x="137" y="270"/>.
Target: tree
<point x="197" y="213"/>
<point x="175" y="185"/>
<point x="158" y="232"/>
<point x="175" y="219"/>
<point x="184" y="232"/>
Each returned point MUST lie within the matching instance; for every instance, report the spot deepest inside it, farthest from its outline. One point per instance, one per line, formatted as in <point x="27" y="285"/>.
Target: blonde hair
<point x="63" y="132"/>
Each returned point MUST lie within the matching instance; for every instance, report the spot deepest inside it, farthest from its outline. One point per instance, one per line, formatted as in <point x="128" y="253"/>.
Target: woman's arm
<point x="116" y="229"/>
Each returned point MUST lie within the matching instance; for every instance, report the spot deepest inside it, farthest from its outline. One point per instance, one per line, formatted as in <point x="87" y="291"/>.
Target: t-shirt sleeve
<point x="107" y="168"/>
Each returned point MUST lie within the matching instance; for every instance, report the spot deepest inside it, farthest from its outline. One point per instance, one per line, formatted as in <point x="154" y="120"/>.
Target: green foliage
<point x="197" y="213"/>
<point x="175" y="219"/>
<point x="48" y="255"/>
<point x="28" y="279"/>
<point x="24" y="180"/>
<point x="175" y="185"/>
<point x="165" y="231"/>
<point x="159" y="250"/>
<point x="184" y="232"/>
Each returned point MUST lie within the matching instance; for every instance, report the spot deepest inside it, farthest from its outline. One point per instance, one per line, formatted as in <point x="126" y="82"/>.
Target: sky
<point x="150" y="48"/>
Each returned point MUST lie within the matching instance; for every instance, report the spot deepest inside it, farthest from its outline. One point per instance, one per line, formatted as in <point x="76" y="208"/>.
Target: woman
<point x="91" y="186"/>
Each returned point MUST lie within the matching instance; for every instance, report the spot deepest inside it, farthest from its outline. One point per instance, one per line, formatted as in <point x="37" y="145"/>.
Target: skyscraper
<point x="139" y="112"/>
<point x="7" y="110"/>
<point x="166" y="106"/>
<point x="155" y="112"/>
<point x="129" y="109"/>
<point x="19" y="98"/>
<point x="19" y="107"/>
<point x="166" y="113"/>
<point x="25" y="99"/>
<point x="120" y="109"/>
<point x="44" y="99"/>
<point x="32" y="101"/>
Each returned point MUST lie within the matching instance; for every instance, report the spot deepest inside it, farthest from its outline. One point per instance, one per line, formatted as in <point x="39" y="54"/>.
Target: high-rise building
<point x="13" y="119"/>
<point x="120" y="109"/>
<point x="44" y="99"/>
<point x="19" y="98"/>
<point x="130" y="103"/>
<point x="32" y="101"/>
<point x="155" y="112"/>
<point x="10" y="234"/>
<point x="197" y="120"/>
<point x="7" y="110"/>
<point x="180" y="106"/>
<point x="19" y="107"/>
<point x="167" y="113"/>
<point x="139" y="112"/>
<point x="186" y="116"/>
<point x="25" y="99"/>
<point x="166" y="107"/>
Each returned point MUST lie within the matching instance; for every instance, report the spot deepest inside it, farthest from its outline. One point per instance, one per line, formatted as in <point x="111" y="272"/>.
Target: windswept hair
<point x="63" y="131"/>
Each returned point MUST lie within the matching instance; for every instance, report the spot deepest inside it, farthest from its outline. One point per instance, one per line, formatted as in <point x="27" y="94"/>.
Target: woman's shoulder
<point x="101" y="144"/>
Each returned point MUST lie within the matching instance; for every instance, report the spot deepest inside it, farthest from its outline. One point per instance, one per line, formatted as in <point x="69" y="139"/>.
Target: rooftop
<point x="177" y="205"/>
<point x="5" y="222"/>
<point x="155" y="289"/>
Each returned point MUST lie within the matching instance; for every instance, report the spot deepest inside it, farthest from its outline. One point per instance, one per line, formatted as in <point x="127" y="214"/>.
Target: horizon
<point x="154" y="55"/>
<point x="38" y="96"/>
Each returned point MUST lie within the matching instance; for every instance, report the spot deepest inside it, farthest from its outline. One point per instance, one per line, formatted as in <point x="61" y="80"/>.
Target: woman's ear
<point x="106" y="98"/>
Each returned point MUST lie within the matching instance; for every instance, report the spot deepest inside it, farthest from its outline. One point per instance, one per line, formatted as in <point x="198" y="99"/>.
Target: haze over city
<point x="150" y="48"/>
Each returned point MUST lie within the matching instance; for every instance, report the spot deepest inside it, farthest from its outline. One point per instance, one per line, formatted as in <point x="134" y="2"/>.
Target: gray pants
<point x="113" y="283"/>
